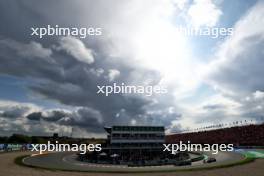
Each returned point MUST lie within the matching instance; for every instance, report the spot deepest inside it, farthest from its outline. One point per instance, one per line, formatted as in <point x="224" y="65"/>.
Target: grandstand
<point x="249" y="135"/>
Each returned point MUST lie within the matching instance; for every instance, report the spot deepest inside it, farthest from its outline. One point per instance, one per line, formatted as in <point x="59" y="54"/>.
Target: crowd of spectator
<point x="249" y="135"/>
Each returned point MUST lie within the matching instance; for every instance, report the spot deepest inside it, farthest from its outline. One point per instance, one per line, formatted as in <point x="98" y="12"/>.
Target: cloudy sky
<point x="49" y="85"/>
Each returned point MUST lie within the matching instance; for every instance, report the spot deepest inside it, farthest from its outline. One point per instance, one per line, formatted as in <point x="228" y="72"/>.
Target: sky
<point x="49" y="85"/>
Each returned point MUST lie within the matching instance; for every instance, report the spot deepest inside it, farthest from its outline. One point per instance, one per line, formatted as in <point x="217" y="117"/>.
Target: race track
<point x="8" y="167"/>
<point x="68" y="161"/>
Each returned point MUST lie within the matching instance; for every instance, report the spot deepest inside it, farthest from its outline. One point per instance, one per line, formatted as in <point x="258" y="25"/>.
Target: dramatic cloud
<point x="76" y="86"/>
<point x="237" y="72"/>
<point x="204" y="13"/>
<point x="239" y="68"/>
<point x="213" y="106"/>
<point x="113" y="74"/>
<point x="11" y="109"/>
<point x="139" y="46"/>
<point x="82" y="117"/>
<point x="32" y="49"/>
<point x="77" y="49"/>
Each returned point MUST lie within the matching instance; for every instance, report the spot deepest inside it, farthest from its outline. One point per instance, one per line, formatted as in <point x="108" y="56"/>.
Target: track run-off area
<point x="67" y="161"/>
<point x="10" y="165"/>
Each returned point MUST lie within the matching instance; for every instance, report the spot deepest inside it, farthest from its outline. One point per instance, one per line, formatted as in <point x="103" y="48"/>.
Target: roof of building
<point x="134" y="128"/>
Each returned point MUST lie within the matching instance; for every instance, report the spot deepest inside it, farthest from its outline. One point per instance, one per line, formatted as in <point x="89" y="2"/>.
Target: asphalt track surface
<point x="68" y="161"/>
<point x="9" y="168"/>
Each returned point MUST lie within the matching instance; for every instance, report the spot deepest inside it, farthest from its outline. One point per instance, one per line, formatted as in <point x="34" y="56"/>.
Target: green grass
<point x="251" y="154"/>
